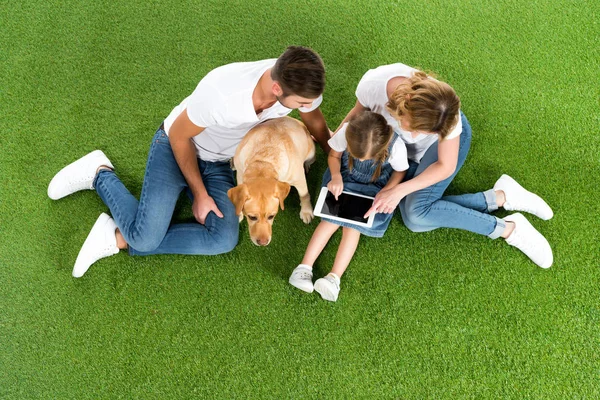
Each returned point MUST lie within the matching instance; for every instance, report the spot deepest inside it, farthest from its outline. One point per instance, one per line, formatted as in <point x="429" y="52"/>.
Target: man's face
<point x="293" y="101"/>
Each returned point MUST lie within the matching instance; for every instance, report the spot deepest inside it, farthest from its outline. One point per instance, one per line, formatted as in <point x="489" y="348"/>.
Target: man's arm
<point x="315" y="122"/>
<point x="180" y="135"/>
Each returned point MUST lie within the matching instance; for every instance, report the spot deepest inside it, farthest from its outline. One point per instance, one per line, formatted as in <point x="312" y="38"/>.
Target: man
<point x="192" y="149"/>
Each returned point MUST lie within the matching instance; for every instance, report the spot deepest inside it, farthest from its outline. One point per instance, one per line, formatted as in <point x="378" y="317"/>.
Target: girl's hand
<point x="386" y="201"/>
<point x="335" y="186"/>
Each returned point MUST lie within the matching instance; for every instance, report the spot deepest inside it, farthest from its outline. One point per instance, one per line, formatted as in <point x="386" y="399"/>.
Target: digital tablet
<point x="349" y="207"/>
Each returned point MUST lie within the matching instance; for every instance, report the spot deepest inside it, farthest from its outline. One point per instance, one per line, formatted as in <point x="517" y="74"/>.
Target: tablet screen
<point x="347" y="206"/>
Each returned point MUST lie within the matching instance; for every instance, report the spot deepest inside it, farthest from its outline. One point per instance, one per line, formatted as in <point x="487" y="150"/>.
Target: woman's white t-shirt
<point x="397" y="157"/>
<point x="222" y="103"/>
<point x="372" y="93"/>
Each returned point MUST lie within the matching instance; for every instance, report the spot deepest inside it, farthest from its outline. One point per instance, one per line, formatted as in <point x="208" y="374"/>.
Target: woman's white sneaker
<point x="527" y="239"/>
<point x="101" y="242"/>
<point x="78" y="175"/>
<point x="302" y="278"/>
<point x="520" y="199"/>
<point x="328" y="287"/>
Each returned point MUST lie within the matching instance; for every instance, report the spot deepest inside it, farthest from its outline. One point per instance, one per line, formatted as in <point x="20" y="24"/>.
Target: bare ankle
<point x="121" y="243"/>
<point x="102" y="167"/>
<point x="510" y="227"/>
<point x="500" y="198"/>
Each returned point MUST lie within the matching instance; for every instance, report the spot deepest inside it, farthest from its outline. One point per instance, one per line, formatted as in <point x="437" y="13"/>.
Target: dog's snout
<point x="262" y="241"/>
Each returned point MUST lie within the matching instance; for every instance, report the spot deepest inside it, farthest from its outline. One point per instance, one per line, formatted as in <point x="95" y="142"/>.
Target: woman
<point x="426" y="114"/>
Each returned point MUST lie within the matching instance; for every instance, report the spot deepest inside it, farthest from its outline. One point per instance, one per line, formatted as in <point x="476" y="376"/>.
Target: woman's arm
<point x="442" y="169"/>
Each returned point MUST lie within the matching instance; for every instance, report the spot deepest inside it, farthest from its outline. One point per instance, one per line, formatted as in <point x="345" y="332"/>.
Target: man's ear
<point x="282" y="191"/>
<point x="276" y="88"/>
<point x="238" y="196"/>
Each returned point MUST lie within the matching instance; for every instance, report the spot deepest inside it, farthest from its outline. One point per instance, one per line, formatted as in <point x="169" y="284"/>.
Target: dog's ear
<point x="282" y="191"/>
<point x="238" y="196"/>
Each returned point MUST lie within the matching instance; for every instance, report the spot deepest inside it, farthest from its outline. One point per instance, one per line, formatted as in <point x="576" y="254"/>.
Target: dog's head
<point x="259" y="202"/>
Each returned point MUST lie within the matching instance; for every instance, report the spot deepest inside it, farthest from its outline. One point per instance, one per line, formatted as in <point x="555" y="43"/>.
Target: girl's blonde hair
<point x="428" y="104"/>
<point x="368" y="135"/>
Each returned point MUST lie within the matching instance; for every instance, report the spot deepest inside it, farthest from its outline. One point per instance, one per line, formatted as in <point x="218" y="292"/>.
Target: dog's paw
<point x="306" y="215"/>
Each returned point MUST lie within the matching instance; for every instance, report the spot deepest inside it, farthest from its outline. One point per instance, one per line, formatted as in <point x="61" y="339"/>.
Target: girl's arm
<point x="334" y="161"/>
<point x="442" y="169"/>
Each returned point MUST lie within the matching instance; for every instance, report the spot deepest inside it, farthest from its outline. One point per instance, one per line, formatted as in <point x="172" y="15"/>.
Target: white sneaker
<point x="78" y="175"/>
<point x="519" y="199"/>
<point x="328" y="287"/>
<point x="101" y="242"/>
<point x="527" y="239"/>
<point x="302" y="278"/>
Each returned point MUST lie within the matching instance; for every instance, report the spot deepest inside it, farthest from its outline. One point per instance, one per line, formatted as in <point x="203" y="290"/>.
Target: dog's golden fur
<point x="270" y="158"/>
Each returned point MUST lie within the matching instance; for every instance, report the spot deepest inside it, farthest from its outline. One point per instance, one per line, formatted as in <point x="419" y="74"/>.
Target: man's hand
<point x="336" y="186"/>
<point x="386" y="201"/>
<point x="202" y="206"/>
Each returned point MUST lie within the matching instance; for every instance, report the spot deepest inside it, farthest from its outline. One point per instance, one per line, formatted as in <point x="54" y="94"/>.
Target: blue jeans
<point x="428" y="208"/>
<point x="146" y="224"/>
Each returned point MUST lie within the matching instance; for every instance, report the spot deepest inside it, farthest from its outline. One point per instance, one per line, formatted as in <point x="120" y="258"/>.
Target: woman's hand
<point x="387" y="200"/>
<point x="335" y="186"/>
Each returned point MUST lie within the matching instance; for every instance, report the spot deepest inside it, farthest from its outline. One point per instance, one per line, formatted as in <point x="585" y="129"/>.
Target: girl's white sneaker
<point x="101" y="242"/>
<point x="527" y="239"/>
<point x="302" y="278"/>
<point x="328" y="287"/>
<point x="520" y="199"/>
<point x="79" y="175"/>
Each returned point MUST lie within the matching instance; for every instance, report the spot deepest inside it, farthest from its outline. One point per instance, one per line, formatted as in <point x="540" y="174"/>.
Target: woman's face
<point x="404" y="123"/>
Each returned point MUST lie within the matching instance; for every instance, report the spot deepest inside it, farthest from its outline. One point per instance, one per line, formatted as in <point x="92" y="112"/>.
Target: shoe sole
<point x="324" y="292"/>
<point x="511" y="181"/>
<point x="304" y="289"/>
<point x="101" y="221"/>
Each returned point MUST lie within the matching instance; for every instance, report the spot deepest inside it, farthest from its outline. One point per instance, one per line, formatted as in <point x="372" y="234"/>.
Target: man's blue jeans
<point x="146" y="224"/>
<point x="428" y="208"/>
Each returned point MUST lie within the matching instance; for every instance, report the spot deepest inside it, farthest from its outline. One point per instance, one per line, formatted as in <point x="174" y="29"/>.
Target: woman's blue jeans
<point x="428" y="208"/>
<point x="146" y="224"/>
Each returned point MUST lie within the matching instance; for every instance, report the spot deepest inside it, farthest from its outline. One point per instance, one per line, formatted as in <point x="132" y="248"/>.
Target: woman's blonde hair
<point x="428" y="104"/>
<point x="368" y="135"/>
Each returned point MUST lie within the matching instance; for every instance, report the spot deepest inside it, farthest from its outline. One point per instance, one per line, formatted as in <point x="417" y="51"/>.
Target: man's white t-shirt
<point x="222" y="103"/>
<point x="397" y="157"/>
<point x="372" y="93"/>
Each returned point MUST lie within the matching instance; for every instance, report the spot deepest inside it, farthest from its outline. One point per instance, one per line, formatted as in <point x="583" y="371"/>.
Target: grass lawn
<point x="444" y="314"/>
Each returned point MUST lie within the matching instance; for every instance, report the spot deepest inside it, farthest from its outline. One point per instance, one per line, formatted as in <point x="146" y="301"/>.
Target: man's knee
<point x="227" y="234"/>
<point x="145" y="244"/>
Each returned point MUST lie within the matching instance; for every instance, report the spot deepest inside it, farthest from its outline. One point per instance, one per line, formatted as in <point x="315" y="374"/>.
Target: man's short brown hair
<point x="300" y="71"/>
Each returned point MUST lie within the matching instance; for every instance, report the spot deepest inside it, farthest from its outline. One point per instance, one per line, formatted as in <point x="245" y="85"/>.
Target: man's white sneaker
<point x="302" y="278"/>
<point x="520" y="199"/>
<point x="328" y="287"/>
<point x="527" y="239"/>
<point x="101" y="242"/>
<point x="78" y="175"/>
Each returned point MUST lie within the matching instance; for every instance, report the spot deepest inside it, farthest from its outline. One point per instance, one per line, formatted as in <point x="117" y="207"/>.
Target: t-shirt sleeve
<point x="366" y="91"/>
<point x="398" y="158"/>
<point x="205" y="105"/>
<point x="457" y="129"/>
<point x="314" y="106"/>
<point x="338" y="141"/>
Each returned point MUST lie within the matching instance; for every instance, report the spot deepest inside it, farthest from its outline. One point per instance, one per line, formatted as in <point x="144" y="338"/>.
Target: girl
<point x="426" y="114"/>
<point x="366" y="157"/>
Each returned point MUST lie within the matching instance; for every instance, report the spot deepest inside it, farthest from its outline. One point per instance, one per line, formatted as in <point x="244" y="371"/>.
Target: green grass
<point x="445" y="314"/>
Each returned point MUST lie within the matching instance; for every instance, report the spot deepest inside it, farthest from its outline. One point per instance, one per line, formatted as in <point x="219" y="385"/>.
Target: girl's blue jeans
<point x="428" y="208"/>
<point x="146" y="224"/>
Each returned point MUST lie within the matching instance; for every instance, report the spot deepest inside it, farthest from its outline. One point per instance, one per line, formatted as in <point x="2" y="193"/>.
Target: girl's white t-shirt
<point x="372" y="93"/>
<point x="397" y="157"/>
<point x="222" y="103"/>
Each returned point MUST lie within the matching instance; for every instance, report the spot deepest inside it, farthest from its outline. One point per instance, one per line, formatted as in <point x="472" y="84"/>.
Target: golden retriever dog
<point x="270" y="158"/>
